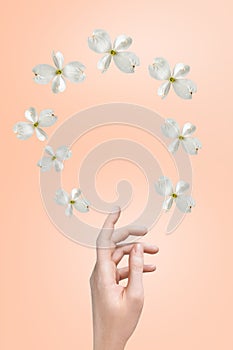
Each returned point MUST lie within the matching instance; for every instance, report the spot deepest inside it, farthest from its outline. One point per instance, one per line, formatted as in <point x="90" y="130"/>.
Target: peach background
<point x="44" y="290"/>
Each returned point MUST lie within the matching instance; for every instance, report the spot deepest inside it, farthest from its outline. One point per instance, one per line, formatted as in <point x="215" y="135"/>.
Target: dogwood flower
<point x="44" y="73"/>
<point x="171" y="129"/>
<point x="164" y="188"/>
<point x="100" y="42"/>
<point x="55" y="159"/>
<point x="24" y="130"/>
<point x="73" y="200"/>
<point x="160" y="70"/>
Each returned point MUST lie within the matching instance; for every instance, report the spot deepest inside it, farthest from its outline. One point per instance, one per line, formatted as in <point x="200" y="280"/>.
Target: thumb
<point x="134" y="288"/>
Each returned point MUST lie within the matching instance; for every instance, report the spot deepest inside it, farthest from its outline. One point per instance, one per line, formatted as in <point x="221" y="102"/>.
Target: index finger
<point x="104" y="243"/>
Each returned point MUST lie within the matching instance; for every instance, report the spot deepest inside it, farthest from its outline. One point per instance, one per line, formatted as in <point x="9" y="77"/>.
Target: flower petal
<point x="41" y="135"/>
<point x="180" y="70"/>
<point x="81" y="205"/>
<point x="58" y="84"/>
<point x="191" y="145"/>
<point x="100" y="41"/>
<point x="61" y="197"/>
<point x="160" y="69"/>
<point x="122" y="42"/>
<point x="58" y="59"/>
<point x="23" y="130"/>
<point x="63" y="153"/>
<point x="58" y="165"/>
<point x="181" y="187"/>
<point x="69" y="210"/>
<point x="173" y="147"/>
<point x="104" y="63"/>
<point x="75" y="193"/>
<point x="164" y="89"/>
<point x="164" y="186"/>
<point x="74" y="71"/>
<point x="31" y="115"/>
<point x="167" y="203"/>
<point x="49" y="150"/>
<point x="45" y="163"/>
<point x="198" y="143"/>
<point x="188" y="129"/>
<point x="43" y="73"/>
<point x="47" y="118"/>
<point x="185" y="203"/>
<point x="126" y="61"/>
<point x="184" y="88"/>
<point x="170" y="128"/>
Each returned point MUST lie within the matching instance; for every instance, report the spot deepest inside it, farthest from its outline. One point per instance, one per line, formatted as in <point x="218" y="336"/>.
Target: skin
<point x="116" y="309"/>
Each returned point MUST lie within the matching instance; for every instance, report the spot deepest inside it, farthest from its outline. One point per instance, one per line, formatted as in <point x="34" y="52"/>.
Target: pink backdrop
<point x="44" y="289"/>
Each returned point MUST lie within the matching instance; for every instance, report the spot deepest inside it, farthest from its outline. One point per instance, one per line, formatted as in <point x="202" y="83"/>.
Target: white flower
<point x="160" y="70"/>
<point x="72" y="200"/>
<point x="100" y="42"/>
<point x="24" y="130"/>
<point x="56" y="158"/>
<point x="72" y="71"/>
<point x="164" y="188"/>
<point x="190" y="144"/>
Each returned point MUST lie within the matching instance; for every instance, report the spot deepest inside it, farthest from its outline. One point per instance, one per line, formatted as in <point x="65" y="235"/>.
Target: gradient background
<point x="44" y="287"/>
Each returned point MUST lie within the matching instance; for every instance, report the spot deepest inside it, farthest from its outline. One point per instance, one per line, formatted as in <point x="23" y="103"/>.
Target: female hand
<point x="116" y="309"/>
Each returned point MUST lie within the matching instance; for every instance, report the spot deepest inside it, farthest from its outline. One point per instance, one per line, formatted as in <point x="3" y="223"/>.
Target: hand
<point x="116" y="309"/>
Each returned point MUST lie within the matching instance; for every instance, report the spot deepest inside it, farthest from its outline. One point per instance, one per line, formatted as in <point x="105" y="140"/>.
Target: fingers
<point x="123" y="272"/>
<point x="123" y="233"/>
<point x="112" y="218"/>
<point x="134" y="289"/>
<point x="120" y="251"/>
<point x="104" y="240"/>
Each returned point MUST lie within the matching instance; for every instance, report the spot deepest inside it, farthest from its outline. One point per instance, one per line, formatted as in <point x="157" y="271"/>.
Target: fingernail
<point x="153" y="266"/>
<point x="138" y="249"/>
<point x="115" y="209"/>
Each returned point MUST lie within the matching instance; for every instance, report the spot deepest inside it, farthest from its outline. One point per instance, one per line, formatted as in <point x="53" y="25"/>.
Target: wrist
<point x="103" y="343"/>
<point x="107" y="346"/>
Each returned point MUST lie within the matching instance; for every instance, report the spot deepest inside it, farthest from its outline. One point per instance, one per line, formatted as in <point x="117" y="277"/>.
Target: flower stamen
<point x="113" y="53"/>
<point x="172" y="80"/>
<point x="72" y="202"/>
<point x="58" y="71"/>
<point x="36" y="124"/>
<point x="174" y="195"/>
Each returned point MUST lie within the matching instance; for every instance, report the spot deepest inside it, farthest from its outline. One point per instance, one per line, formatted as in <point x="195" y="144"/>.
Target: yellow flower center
<point x="113" y="53"/>
<point x="58" y="72"/>
<point x="172" y="80"/>
<point x="181" y="137"/>
<point x="72" y="202"/>
<point x="54" y="157"/>
<point x="174" y="195"/>
<point x="36" y="124"/>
